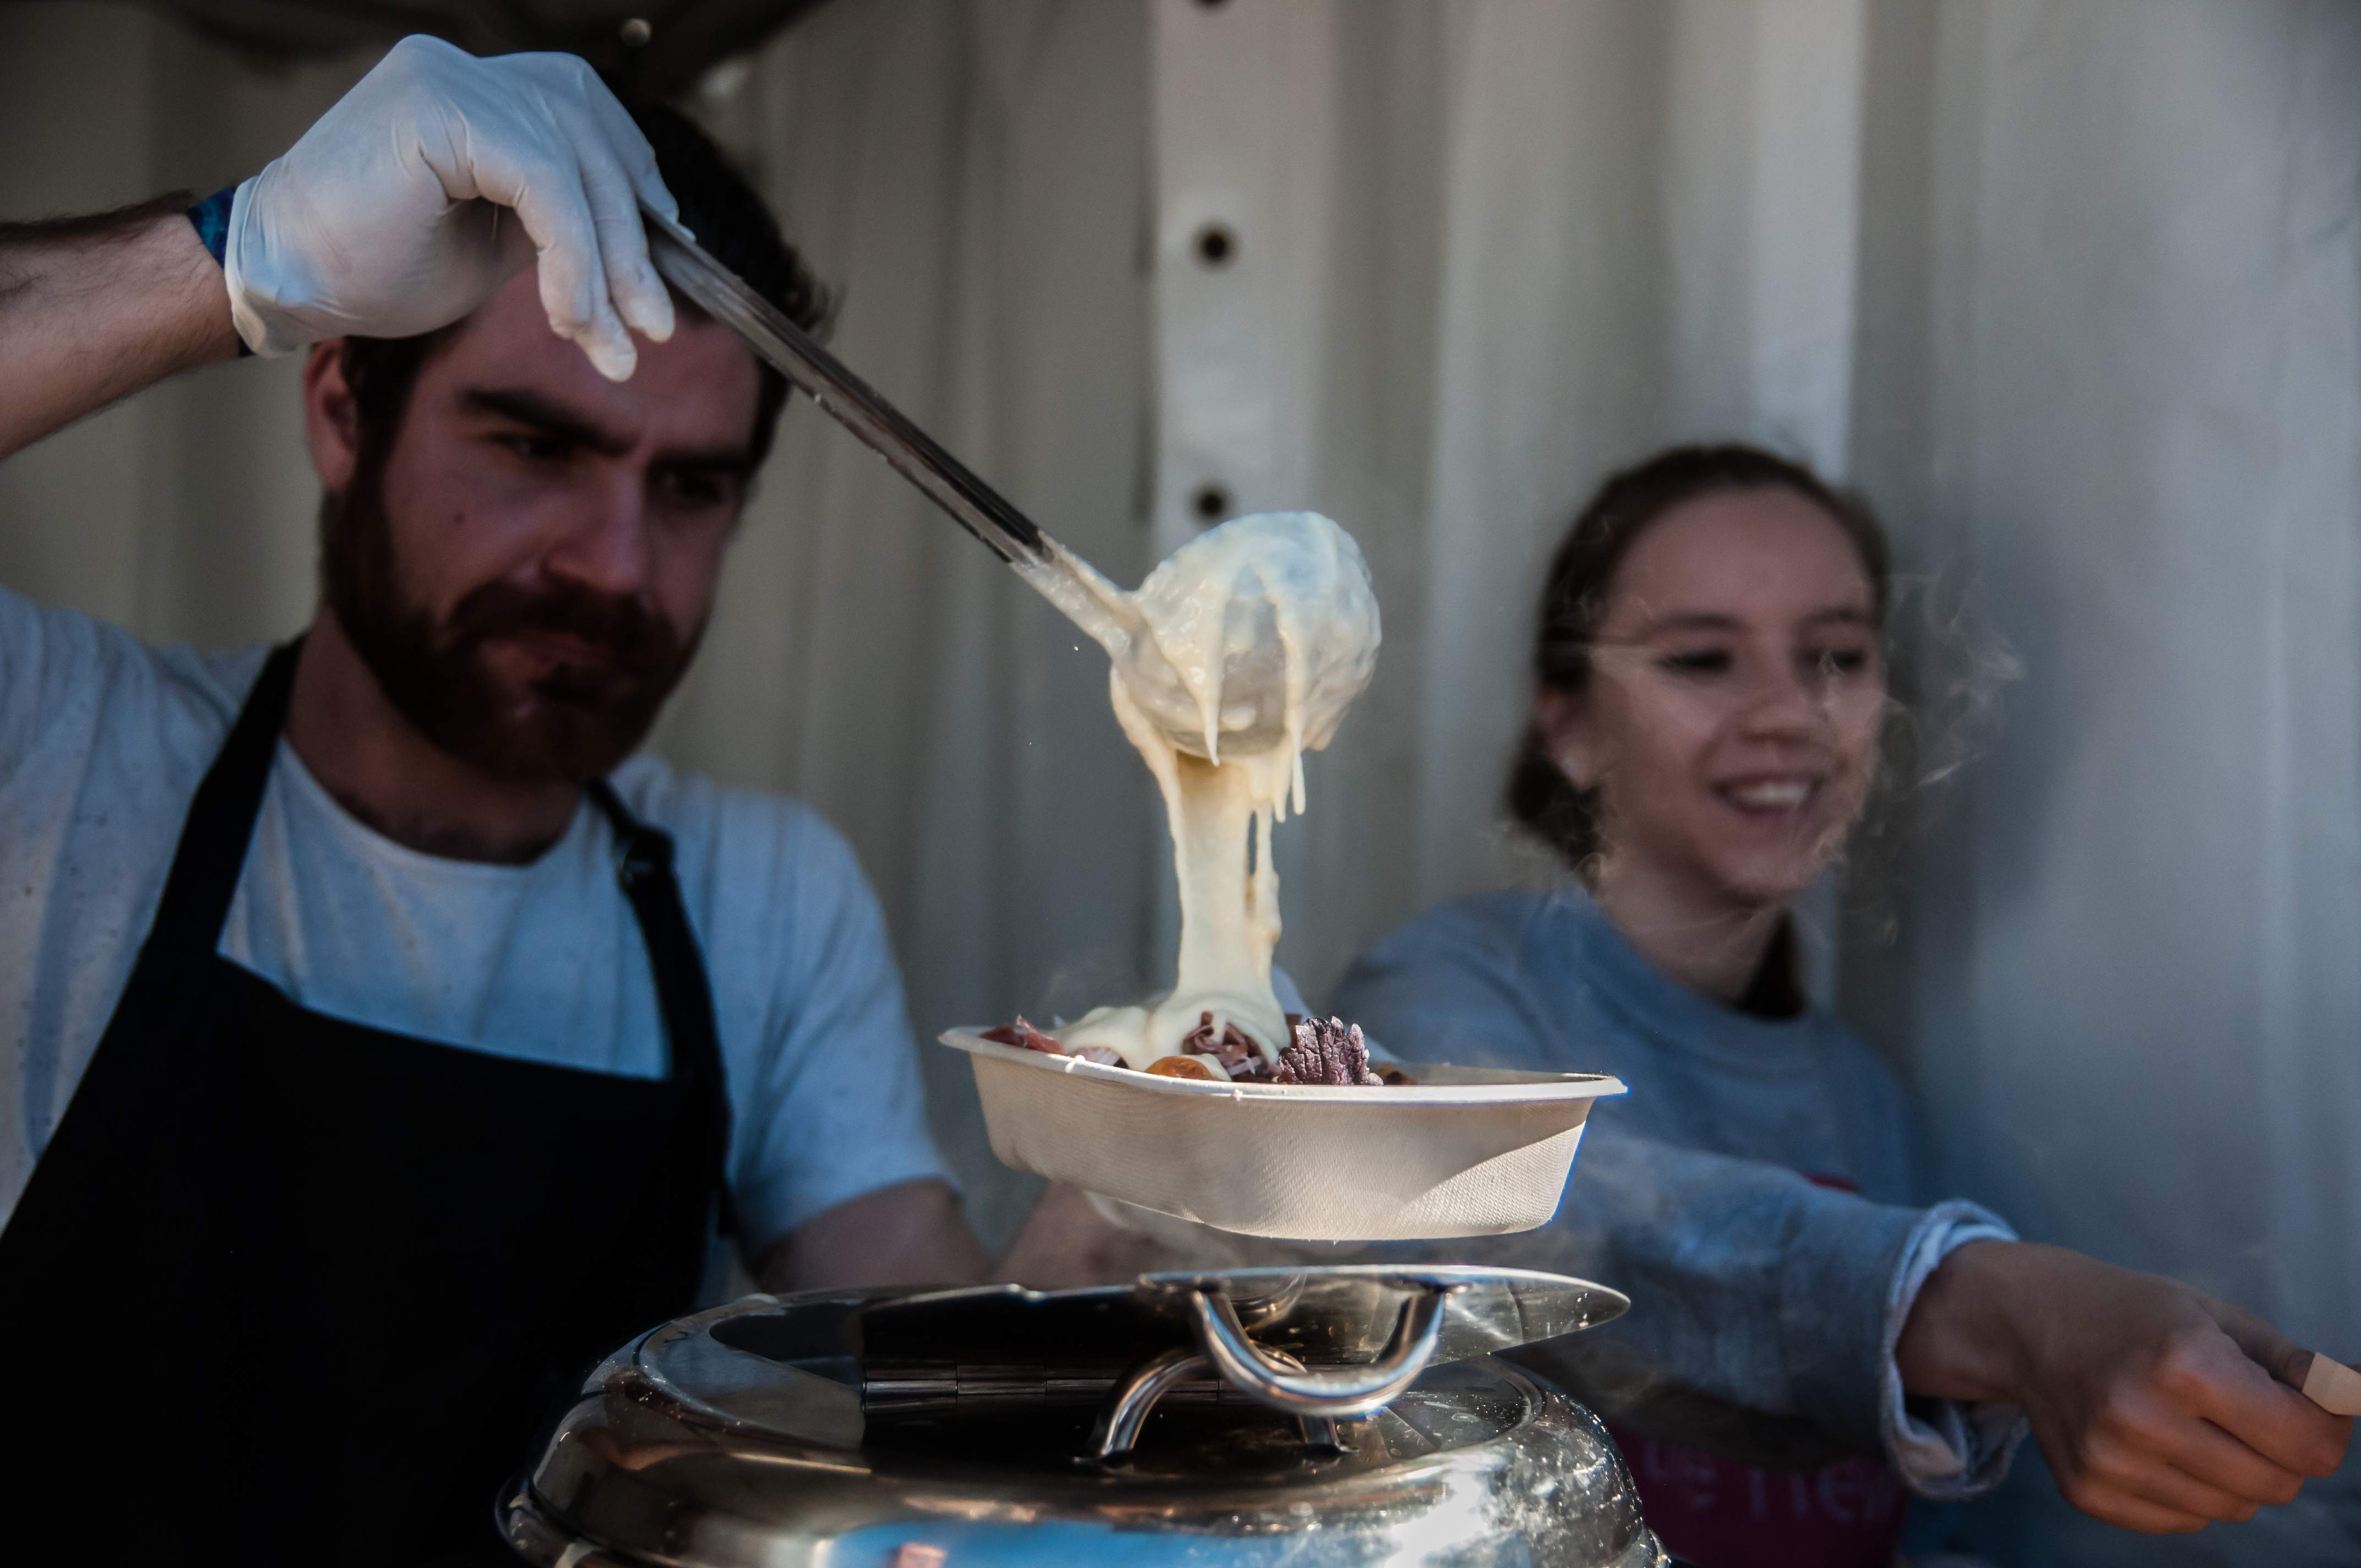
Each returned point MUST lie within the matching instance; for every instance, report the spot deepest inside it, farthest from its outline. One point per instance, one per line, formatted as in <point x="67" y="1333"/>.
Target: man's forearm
<point x="909" y="1233"/>
<point x="94" y="309"/>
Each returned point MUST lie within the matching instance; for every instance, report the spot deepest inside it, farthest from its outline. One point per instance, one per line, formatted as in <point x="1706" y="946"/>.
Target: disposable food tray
<point x="1463" y="1152"/>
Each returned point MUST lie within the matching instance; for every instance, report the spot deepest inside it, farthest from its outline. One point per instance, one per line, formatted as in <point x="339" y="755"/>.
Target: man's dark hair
<point x="717" y="205"/>
<point x="1582" y="573"/>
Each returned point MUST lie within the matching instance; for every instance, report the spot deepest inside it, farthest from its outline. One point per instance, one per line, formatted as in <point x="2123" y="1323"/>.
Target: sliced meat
<point x="1228" y="1046"/>
<point x="1020" y="1033"/>
<point x="1327" y="1051"/>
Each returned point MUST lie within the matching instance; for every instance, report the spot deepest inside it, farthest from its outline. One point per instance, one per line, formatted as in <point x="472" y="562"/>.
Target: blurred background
<point x="2072" y="292"/>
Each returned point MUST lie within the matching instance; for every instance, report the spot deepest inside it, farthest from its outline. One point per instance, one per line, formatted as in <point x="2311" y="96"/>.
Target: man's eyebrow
<point x="726" y="462"/>
<point x="540" y="413"/>
<point x="554" y="419"/>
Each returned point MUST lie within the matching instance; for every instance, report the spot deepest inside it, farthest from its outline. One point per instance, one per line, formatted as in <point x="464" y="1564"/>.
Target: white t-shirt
<point x="102" y="741"/>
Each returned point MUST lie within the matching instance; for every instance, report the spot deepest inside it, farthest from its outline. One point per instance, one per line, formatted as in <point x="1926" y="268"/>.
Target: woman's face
<point x="1736" y="690"/>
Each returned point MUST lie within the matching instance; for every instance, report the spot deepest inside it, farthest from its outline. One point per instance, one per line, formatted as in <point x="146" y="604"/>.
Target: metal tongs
<point x="850" y="401"/>
<point x="1254" y="670"/>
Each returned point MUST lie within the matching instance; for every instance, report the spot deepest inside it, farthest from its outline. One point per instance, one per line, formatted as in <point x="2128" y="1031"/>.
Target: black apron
<point x="285" y="1288"/>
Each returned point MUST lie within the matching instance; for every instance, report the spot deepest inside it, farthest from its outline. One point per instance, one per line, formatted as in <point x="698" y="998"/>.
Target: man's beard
<point x="573" y="723"/>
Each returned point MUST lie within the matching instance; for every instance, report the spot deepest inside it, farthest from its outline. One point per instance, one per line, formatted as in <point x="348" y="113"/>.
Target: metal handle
<point x="1116" y="1431"/>
<point x="1346" y="1391"/>
<point x="1125" y="1412"/>
<point x="850" y="401"/>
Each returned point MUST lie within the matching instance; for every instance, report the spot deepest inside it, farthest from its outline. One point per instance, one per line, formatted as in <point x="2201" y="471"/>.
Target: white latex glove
<point x="387" y="218"/>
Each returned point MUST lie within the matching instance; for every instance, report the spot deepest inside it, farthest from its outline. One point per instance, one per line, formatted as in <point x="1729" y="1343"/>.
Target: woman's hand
<point x="2160" y="1409"/>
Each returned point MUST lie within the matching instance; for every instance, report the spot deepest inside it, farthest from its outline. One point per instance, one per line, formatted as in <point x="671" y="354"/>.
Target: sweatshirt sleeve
<point x="1948" y="1450"/>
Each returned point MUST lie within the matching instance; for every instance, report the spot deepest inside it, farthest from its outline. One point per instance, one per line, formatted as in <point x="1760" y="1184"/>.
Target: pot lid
<point x="1254" y="1406"/>
<point x="983" y="1343"/>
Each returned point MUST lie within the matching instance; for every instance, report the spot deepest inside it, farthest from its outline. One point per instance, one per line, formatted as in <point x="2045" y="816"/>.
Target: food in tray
<point x="1282" y="599"/>
<point x="1235" y="656"/>
<point x="1321" y="1051"/>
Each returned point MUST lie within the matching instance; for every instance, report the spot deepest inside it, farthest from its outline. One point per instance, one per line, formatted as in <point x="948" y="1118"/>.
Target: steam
<point x="1948" y="671"/>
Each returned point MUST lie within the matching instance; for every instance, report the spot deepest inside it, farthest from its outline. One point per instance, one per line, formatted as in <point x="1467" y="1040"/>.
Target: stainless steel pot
<point x="1257" y="1417"/>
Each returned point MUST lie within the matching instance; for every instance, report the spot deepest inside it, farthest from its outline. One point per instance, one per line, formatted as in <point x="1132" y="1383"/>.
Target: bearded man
<point x="388" y="1040"/>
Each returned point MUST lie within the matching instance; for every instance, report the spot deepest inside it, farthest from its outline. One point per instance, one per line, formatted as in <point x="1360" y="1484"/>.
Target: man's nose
<point x="604" y="546"/>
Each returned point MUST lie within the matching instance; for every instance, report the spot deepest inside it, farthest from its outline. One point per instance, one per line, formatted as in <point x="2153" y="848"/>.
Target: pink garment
<point x="1719" y="1513"/>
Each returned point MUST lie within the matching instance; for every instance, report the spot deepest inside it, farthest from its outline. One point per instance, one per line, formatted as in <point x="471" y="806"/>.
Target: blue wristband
<point x="211" y="218"/>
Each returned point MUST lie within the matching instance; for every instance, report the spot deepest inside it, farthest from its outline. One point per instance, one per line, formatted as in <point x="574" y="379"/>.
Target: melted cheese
<point x="1238" y="655"/>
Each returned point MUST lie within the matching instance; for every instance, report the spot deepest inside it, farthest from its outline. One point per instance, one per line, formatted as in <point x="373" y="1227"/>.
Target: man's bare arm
<point x="381" y="221"/>
<point x="912" y="1234"/>
<point x="94" y="309"/>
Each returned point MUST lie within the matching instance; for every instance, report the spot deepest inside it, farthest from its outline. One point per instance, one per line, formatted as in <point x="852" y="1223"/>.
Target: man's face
<point x="527" y="568"/>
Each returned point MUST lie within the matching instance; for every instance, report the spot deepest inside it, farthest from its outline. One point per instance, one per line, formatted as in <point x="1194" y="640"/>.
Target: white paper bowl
<point x="1464" y="1151"/>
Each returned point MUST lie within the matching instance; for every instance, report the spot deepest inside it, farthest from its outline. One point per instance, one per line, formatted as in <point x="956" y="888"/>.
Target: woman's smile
<point x="1769" y="797"/>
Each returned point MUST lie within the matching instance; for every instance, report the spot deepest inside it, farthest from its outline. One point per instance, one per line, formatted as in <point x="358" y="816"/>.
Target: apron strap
<point x="220" y="826"/>
<point x="643" y="869"/>
<point x="213" y="837"/>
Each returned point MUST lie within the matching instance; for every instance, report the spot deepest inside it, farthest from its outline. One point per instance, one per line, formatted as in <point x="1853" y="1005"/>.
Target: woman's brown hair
<point x="1582" y="574"/>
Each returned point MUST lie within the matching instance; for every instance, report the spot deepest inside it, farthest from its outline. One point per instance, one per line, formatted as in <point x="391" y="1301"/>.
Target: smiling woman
<point x="1710" y="689"/>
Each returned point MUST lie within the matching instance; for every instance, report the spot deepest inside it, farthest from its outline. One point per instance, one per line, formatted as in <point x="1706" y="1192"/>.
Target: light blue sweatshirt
<point x="1765" y="1307"/>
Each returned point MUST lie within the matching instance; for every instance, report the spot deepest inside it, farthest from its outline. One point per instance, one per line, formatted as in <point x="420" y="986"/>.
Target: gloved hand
<point x="431" y="184"/>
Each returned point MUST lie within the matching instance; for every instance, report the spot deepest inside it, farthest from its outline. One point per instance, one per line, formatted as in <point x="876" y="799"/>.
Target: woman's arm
<point x="94" y="309"/>
<point x="1764" y="1307"/>
<point x="1760" y="1301"/>
<point x="2159" y="1408"/>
